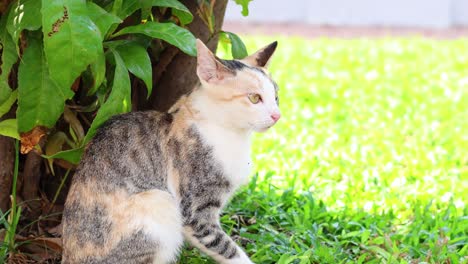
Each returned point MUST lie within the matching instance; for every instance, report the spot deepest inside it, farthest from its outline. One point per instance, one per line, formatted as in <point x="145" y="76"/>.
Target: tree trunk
<point x="7" y="163"/>
<point x="178" y="69"/>
<point x="7" y="160"/>
<point x="31" y="178"/>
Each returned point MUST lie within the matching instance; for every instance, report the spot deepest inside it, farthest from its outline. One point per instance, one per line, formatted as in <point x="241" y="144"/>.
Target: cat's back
<point x="128" y="152"/>
<point x="132" y="128"/>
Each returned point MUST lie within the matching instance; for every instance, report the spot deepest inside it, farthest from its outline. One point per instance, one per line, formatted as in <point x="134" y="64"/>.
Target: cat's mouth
<point x="261" y="127"/>
<point x="266" y="128"/>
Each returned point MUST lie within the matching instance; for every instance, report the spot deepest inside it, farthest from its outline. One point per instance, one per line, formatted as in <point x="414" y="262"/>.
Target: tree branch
<point x="179" y="77"/>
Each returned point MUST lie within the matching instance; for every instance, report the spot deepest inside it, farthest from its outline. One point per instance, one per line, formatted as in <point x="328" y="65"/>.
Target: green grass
<point x="9" y="219"/>
<point x="369" y="163"/>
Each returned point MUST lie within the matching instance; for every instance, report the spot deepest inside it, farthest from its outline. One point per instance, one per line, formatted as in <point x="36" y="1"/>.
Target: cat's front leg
<point x="202" y="230"/>
<point x="213" y="241"/>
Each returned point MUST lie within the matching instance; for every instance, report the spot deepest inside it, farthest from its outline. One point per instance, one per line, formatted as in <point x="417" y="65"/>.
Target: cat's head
<point x="239" y="93"/>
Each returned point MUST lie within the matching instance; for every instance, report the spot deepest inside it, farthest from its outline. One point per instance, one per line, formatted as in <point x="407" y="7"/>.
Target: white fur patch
<point x="156" y="213"/>
<point x="231" y="148"/>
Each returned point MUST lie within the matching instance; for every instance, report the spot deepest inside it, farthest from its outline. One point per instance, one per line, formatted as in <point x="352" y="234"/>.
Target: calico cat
<point x="149" y="180"/>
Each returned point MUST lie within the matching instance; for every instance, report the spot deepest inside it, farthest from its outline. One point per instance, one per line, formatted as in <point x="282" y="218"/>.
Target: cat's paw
<point x="242" y="259"/>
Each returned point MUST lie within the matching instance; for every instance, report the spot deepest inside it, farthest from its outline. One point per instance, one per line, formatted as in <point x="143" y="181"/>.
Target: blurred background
<point x="413" y="13"/>
<point x="444" y="18"/>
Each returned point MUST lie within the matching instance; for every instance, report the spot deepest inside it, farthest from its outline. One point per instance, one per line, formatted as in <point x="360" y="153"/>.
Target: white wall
<point x="415" y="13"/>
<point x="460" y="12"/>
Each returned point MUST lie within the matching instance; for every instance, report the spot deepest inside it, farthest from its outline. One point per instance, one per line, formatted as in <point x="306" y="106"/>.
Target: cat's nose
<point x="275" y="116"/>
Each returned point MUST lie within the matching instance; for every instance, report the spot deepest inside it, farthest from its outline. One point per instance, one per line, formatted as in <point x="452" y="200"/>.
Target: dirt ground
<point x="310" y="31"/>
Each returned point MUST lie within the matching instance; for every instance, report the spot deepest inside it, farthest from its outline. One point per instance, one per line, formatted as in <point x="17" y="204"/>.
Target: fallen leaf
<point x="17" y="258"/>
<point x="40" y="248"/>
<point x="56" y="230"/>
<point x="31" y="138"/>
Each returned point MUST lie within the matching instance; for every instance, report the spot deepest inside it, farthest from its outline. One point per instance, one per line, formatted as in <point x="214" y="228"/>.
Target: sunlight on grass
<point x="369" y="163"/>
<point x="378" y="124"/>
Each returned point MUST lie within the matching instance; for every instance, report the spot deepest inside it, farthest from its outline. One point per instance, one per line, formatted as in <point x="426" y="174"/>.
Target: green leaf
<point x="5" y="107"/>
<point x="169" y="32"/>
<point x="286" y="259"/>
<point x="138" y="62"/>
<point x="238" y="49"/>
<point x="9" y="128"/>
<point x="119" y="100"/>
<point x="103" y="19"/>
<point x="5" y="91"/>
<point x="379" y="251"/>
<point x="71" y="155"/>
<point x="245" y="6"/>
<point x="40" y="99"/>
<point x="179" y="10"/>
<point x="72" y="41"/>
<point x="365" y="236"/>
<point x="9" y="57"/>
<point x="141" y="40"/>
<point x="127" y="8"/>
<point x="117" y="6"/>
<point x="25" y="14"/>
<point x="98" y="69"/>
<point x="181" y="15"/>
<point x="113" y="44"/>
<point x="106" y="4"/>
<point x="145" y="13"/>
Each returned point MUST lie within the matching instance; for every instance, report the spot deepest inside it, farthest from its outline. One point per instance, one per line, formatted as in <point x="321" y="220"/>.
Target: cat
<point x="150" y="180"/>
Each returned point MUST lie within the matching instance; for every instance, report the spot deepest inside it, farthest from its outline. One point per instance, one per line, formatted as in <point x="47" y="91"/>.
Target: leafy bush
<point x="81" y="52"/>
<point x="65" y="42"/>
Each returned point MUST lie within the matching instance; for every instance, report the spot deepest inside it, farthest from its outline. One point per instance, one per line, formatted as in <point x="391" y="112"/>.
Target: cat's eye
<point x="254" y="98"/>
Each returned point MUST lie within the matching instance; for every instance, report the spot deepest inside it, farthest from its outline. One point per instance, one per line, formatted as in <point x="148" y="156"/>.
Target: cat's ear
<point x="209" y="69"/>
<point x="262" y="57"/>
